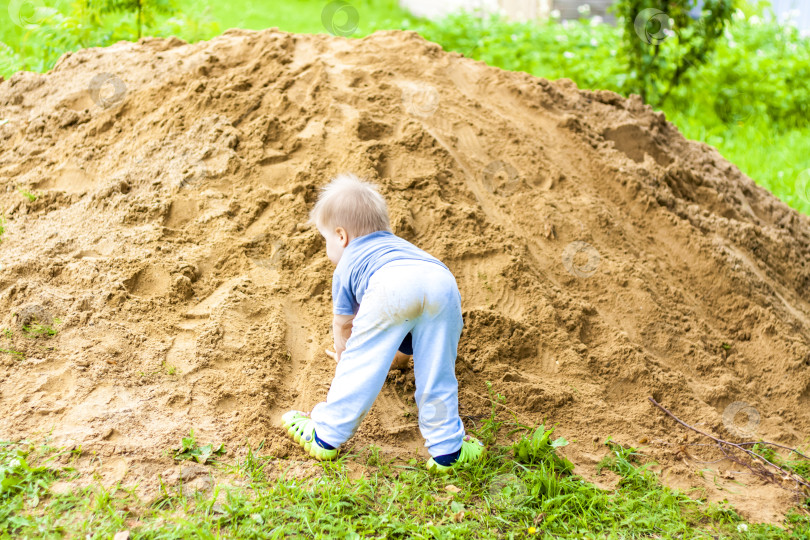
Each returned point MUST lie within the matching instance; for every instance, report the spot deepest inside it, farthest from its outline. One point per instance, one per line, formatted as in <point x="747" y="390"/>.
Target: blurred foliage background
<point x="745" y="91"/>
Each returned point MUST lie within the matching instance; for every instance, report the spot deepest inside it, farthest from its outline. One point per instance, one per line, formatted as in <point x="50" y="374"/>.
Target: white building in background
<point x="797" y="10"/>
<point x="522" y="10"/>
<point x="436" y="9"/>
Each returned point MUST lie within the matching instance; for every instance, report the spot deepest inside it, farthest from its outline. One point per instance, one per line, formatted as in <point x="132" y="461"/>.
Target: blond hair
<point x="353" y="204"/>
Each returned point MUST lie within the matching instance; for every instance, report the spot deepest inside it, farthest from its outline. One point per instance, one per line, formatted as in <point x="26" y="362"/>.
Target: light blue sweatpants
<point x="402" y="296"/>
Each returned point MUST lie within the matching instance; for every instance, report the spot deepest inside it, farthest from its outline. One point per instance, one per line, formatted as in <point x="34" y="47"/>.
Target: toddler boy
<point x="388" y="296"/>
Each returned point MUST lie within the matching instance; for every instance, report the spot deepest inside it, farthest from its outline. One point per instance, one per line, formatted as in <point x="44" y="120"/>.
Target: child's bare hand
<point x="332" y="354"/>
<point x="400" y="361"/>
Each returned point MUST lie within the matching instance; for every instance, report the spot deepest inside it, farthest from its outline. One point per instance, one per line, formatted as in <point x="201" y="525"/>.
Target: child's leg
<point x="435" y="346"/>
<point x="382" y="322"/>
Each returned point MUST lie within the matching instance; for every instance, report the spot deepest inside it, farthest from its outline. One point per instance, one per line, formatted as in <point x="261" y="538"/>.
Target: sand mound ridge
<point x="602" y="258"/>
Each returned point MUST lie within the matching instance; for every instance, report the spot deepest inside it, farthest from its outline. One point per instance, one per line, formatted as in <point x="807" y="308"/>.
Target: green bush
<point x="662" y="43"/>
<point x="760" y="70"/>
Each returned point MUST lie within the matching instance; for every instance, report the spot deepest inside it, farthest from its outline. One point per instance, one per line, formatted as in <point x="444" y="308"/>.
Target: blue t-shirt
<point x="362" y="257"/>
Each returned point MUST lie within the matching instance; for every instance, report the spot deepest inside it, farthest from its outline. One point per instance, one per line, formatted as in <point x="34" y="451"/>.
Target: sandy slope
<point x="602" y="258"/>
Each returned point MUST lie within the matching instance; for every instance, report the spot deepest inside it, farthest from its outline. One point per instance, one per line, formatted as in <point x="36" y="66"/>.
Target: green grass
<point x="14" y="354"/>
<point x="523" y="488"/>
<point x="190" y="450"/>
<point x="27" y="194"/>
<point x="6" y="337"/>
<point x="37" y="329"/>
<point x="36" y="334"/>
<point x="303" y="16"/>
<point x="793" y="462"/>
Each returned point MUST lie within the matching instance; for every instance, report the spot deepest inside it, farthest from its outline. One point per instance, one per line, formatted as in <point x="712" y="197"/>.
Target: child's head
<point x="348" y="208"/>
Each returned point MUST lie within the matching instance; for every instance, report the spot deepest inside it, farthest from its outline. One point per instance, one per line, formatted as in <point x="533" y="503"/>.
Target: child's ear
<point x="343" y="235"/>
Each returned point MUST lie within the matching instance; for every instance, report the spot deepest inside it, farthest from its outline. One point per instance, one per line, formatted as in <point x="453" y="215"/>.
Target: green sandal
<point x="472" y="450"/>
<point x="302" y="429"/>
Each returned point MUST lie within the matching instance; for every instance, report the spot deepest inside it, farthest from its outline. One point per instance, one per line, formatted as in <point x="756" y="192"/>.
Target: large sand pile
<point x="602" y="258"/>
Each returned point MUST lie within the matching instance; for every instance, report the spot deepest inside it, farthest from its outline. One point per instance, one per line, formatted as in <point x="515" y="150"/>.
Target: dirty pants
<point x="402" y="296"/>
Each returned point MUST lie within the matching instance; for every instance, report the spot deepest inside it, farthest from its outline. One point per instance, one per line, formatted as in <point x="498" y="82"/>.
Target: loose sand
<point x="602" y="258"/>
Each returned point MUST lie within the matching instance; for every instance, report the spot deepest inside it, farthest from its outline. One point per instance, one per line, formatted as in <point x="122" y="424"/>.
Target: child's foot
<point x="472" y="450"/>
<point x="302" y="429"/>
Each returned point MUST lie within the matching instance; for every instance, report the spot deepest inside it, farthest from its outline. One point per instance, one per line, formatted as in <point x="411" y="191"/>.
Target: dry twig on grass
<point x="758" y="464"/>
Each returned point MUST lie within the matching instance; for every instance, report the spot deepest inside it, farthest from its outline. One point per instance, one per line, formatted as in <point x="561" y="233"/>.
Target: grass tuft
<point x="28" y="195"/>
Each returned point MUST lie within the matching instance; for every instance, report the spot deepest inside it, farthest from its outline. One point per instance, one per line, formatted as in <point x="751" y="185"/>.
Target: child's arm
<point x="341" y="330"/>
